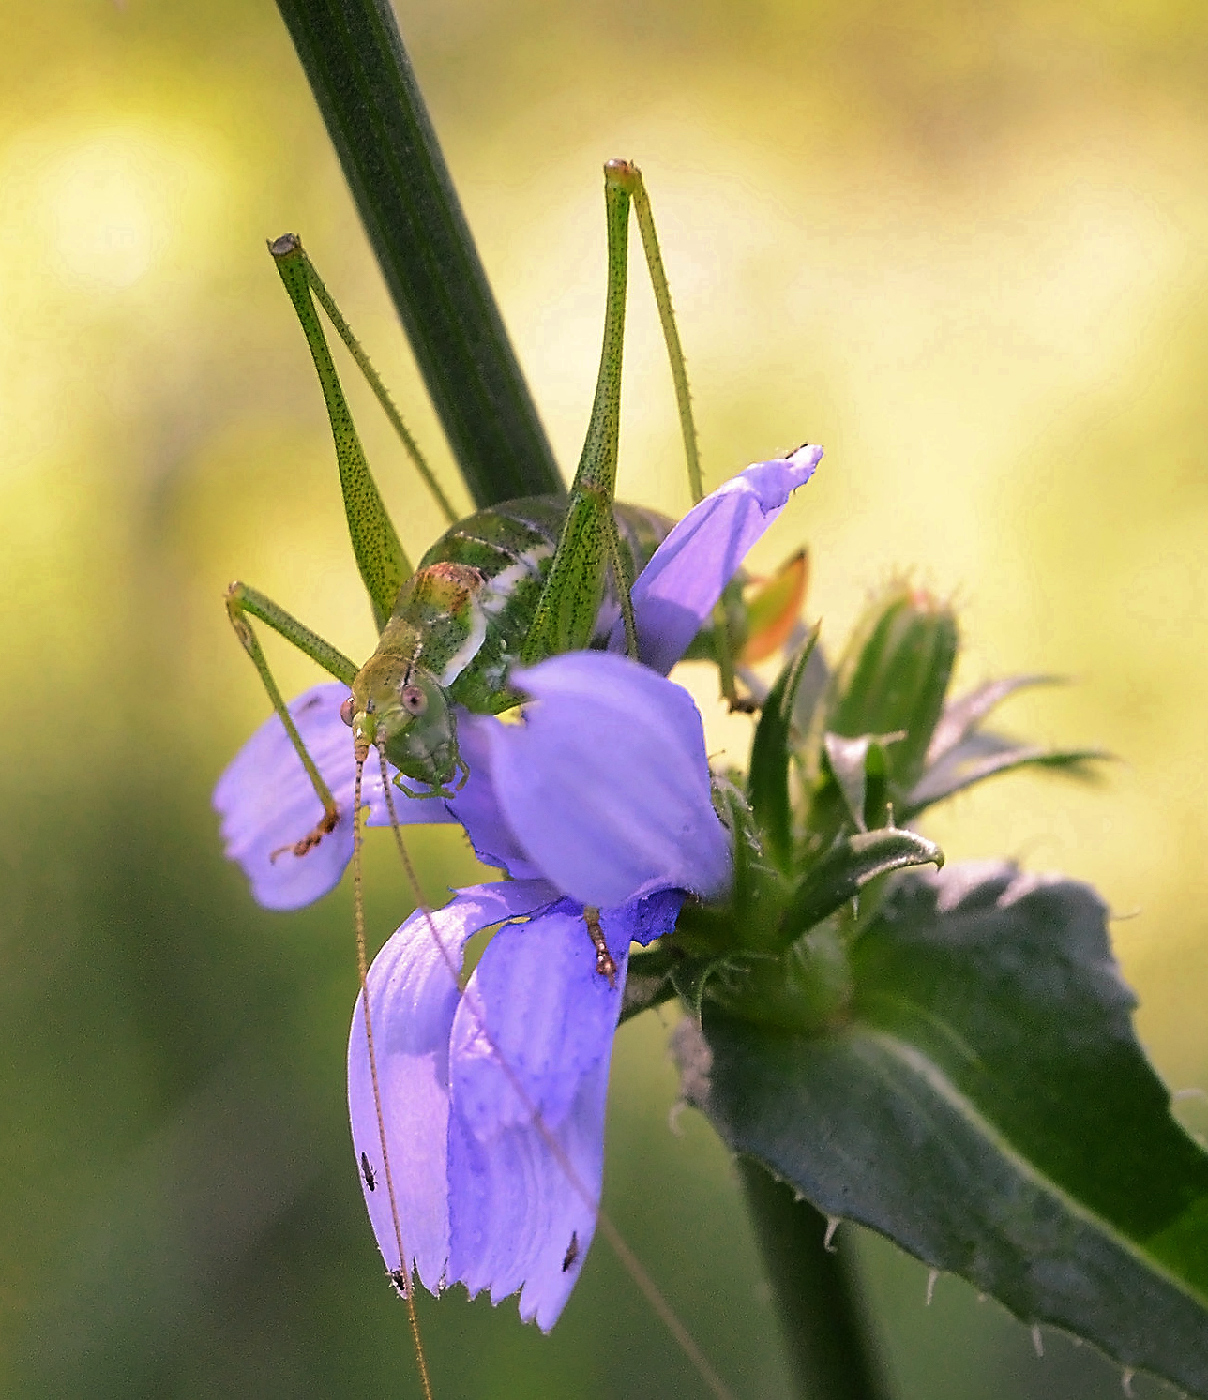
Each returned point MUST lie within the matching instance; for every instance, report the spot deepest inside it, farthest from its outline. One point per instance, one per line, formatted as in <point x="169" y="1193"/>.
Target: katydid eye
<point x="346" y="712"/>
<point x="413" y="699"/>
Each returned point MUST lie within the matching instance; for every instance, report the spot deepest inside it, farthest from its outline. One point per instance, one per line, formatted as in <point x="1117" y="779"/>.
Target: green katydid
<point x="517" y="583"/>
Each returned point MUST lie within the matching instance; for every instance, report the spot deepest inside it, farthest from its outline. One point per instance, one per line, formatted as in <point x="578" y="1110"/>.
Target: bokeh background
<point x="964" y="246"/>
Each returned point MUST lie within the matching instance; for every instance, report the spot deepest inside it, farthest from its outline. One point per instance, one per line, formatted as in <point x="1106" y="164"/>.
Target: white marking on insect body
<point x="932" y="1279"/>
<point x="828" y="1240"/>
<point x="469" y="649"/>
<point x="1126" y="1380"/>
<point x="1037" y="1339"/>
<point x="498" y="590"/>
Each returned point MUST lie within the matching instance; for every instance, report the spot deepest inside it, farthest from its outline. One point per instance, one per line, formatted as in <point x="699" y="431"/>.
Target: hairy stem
<point x="816" y="1294"/>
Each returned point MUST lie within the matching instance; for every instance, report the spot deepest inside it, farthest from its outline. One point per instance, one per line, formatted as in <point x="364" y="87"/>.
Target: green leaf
<point x="771" y="750"/>
<point x="987" y="1105"/>
<point x="847" y="867"/>
<point x="984" y="755"/>
<point x="377" y="121"/>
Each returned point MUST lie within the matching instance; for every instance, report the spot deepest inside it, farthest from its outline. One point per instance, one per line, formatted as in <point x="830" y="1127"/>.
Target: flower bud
<point x="893" y="678"/>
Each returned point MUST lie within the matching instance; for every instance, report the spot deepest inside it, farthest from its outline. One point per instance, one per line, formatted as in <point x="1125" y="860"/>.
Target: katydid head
<point x="401" y="709"/>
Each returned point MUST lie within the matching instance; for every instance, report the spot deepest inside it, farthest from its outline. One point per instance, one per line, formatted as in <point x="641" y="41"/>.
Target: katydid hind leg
<point x="383" y="565"/>
<point x="565" y="616"/>
<point x="380" y="392"/>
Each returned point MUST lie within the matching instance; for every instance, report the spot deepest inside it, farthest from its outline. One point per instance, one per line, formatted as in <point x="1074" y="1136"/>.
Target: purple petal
<point x="606" y="785"/>
<point x="266" y="802"/>
<point x="676" y="591"/>
<point x="477" y="807"/>
<point x="414" y="993"/>
<point x="526" y="1142"/>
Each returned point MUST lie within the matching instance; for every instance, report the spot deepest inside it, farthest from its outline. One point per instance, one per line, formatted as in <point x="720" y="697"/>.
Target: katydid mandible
<point x="514" y="584"/>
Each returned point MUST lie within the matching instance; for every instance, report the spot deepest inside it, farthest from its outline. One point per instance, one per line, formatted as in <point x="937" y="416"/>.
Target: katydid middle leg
<point x="243" y="603"/>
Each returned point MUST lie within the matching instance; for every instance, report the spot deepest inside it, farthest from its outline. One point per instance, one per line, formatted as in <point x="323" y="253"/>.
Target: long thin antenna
<point x="404" y="1273"/>
<point x="608" y="1229"/>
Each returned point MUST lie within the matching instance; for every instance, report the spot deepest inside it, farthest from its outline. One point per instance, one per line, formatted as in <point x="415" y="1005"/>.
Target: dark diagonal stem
<point x="362" y="81"/>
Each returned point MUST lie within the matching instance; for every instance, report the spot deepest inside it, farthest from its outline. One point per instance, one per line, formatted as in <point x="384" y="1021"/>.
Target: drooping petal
<point x="676" y="591"/>
<point x="477" y="807"/>
<point x="266" y="802"/>
<point x="606" y="784"/>
<point x="413" y="991"/>
<point x="531" y="1046"/>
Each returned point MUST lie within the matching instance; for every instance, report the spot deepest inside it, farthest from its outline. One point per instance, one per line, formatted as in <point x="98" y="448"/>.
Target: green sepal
<point x="960" y="754"/>
<point x="771" y="754"/>
<point x="847" y="867"/>
<point x="375" y="543"/>
<point x="860" y="771"/>
<point x="691" y="977"/>
<point x="962" y="716"/>
<point x="749" y="918"/>
<point x="806" y="989"/>
<point x="986" y="755"/>
<point x="893" y="678"/>
<point x="648" y="981"/>
<point x="986" y="1104"/>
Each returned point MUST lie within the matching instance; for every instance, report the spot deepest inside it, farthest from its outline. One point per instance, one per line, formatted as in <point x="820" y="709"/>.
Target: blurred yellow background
<point x="962" y="246"/>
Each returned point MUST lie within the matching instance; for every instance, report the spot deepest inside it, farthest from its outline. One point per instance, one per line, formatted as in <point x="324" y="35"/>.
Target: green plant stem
<point x="362" y="81"/>
<point x="816" y="1294"/>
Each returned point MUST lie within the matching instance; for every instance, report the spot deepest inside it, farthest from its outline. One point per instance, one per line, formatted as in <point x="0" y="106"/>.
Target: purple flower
<point x="493" y="1099"/>
<point x="265" y="801"/>
<point x="598" y="806"/>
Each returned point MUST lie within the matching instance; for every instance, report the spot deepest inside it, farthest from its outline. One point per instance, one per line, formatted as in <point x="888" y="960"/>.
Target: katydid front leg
<point x="242" y="602"/>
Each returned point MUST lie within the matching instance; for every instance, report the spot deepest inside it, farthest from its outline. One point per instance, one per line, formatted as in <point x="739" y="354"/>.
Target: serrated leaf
<point x="984" y="755"/>
<point x="845" y="869"/>
<point x="771" y="751"/>
<point x="962" y="715"/>
<point x="987" y="1105"/>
